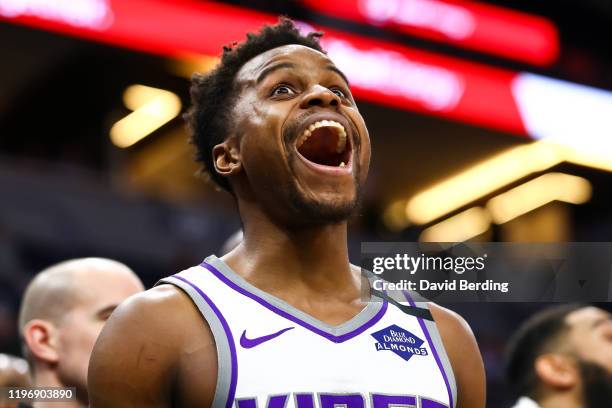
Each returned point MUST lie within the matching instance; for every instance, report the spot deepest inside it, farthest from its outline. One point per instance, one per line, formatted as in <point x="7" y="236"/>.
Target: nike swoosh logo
<point x="250" y="343"/>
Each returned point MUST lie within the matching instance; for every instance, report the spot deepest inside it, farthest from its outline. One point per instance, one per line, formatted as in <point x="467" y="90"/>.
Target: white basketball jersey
<point x="272" y="355"/>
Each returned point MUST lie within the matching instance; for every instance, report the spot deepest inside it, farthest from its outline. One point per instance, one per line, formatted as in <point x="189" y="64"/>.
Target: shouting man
<point x="280" y="320"/>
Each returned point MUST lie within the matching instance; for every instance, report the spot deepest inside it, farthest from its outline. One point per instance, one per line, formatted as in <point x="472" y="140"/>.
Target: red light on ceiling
<point x="381" y="72"/>
<point x="477" y="26"/>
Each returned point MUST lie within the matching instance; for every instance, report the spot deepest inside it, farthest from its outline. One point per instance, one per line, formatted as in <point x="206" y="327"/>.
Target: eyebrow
<point x="267" y="71"/>
<point x="281" y="65"/>
<point x="337" y="71"/>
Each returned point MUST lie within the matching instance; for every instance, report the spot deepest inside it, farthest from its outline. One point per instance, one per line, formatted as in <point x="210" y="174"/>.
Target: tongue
<point x="321" y="146"/>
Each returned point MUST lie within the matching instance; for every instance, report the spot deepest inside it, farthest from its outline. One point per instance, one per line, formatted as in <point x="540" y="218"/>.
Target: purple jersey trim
<point x="230" y="340"/>
<point x="288" y="316"/>
<point x="433" y="349"/>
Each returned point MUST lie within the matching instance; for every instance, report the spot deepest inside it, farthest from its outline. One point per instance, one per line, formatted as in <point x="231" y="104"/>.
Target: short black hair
<point x="537" y="336"/>
<point x="213" y="93"/>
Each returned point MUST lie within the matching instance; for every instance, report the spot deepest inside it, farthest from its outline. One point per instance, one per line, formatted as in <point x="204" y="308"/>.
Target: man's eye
<point x="283" y="90"/>
<point x="338" y="92"/>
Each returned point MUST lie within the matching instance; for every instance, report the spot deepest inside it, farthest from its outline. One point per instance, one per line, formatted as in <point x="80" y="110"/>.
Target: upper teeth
<point x="325" y="123"/>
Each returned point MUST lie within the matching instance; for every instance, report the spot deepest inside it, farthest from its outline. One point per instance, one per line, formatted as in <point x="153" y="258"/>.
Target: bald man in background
<point x="62" y="313"/>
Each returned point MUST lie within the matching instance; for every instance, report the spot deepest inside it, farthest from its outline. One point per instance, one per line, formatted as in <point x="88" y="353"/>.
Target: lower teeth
<point x="342" y="164"/>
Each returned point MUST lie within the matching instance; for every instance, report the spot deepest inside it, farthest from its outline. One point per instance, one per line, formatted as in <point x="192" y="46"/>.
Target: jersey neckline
<point x="369" y="315"/>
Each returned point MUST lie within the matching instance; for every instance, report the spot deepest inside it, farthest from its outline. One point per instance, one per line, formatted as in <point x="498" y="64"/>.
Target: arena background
<point x="91" y="165"/>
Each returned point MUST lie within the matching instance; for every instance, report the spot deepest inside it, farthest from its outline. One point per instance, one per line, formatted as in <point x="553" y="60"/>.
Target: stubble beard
<point x="319" y="212"/>
<point x="597" y="384"/>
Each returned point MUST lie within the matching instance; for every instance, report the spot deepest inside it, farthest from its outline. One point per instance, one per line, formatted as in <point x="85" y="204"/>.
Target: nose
<point x="319" y="96"/>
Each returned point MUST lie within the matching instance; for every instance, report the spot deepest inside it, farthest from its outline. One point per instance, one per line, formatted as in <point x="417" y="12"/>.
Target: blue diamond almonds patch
<point x="399" y="341"/>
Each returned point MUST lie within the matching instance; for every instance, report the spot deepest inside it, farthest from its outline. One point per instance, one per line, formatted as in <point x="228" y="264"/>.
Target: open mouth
<point x="325" y="143"/>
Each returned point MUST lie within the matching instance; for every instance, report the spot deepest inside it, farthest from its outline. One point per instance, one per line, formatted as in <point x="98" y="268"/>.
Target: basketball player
<point x="279" y="321"/>
<point x="562" y="357"/>
<point x="61" y="315"/>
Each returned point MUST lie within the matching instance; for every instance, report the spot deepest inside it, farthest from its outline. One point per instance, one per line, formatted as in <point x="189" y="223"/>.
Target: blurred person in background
<point x="562" y="358"/>
<point x="13" y="373"/>
<point x="62" y="313"/>
<point x="280" y="320"/>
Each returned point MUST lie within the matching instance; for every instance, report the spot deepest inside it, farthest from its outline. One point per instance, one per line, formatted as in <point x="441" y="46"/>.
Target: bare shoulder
<point x="464" y="355"/>
<point x="152" y="317"/>
<point x="451" y="323"/>
<point x="138" y="355"/>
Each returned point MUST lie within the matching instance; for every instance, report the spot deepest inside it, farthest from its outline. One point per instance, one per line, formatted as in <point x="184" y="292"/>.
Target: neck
<point x="568" y="399"/>
<point x="49" y="378"/>
<point x="313" y="258"/>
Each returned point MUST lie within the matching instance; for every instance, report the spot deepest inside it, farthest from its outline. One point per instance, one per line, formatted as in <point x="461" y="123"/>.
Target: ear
<point x="557" y="371"/>
<point x="40" y="337"/>
<point x="226" y="157"/>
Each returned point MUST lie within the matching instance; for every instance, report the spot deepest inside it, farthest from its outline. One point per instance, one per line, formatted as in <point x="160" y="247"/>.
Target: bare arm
<point x="464" y="356"/>
<point x="139" y="356"/>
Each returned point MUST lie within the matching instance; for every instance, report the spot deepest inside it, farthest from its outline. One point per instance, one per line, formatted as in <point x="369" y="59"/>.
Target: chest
<point x="283" y="364"/>
<point x="269" y="354"/>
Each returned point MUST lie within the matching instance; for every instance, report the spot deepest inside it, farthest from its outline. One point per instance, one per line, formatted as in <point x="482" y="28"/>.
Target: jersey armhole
<point x="433" y="336"/>
<point x="227" y="370"/>
<point x="417" y="301"/>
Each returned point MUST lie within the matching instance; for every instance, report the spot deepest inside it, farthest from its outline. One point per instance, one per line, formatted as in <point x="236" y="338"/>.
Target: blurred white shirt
<point x="526" y="402"/>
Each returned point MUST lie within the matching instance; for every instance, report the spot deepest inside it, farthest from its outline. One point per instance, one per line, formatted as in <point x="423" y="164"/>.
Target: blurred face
<point x="304" y="147"/>
<point x="101" y="291"/>
<point x="591" y="337"/>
